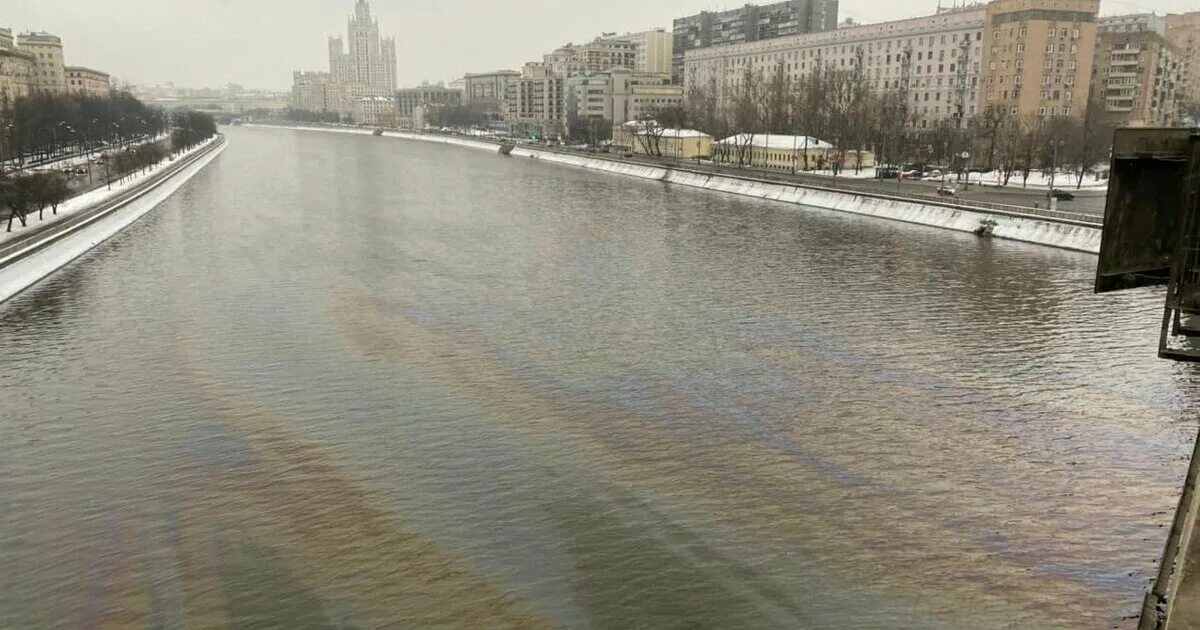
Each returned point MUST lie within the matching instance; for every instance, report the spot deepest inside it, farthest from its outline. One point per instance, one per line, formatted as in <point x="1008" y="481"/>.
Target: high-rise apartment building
<point x="1138" y="75"/>
<point x="370" y="60"/>
<point x="933" y="61"/>
<point x="750" y="23"/>
<point x="314" y="91"/>
<point x="49" y="72"/>
<point x="1038" y="56"/>
<point x="1183" y="31"/>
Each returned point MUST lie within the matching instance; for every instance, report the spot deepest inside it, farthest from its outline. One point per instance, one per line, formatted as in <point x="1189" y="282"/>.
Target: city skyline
<point x="500" y="36"/>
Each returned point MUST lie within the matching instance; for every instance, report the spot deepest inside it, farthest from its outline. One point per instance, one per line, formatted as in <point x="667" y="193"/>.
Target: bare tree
<point x="1095" y="139"/>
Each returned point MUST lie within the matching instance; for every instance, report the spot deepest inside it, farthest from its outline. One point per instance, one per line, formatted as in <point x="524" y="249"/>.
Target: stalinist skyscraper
<point x="368" y="68"/>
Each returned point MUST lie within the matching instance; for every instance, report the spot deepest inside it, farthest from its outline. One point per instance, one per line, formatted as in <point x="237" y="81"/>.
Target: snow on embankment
<point x="1027" y="228"/>
<point x="1017" y="227"/>
<point x="27" y="269"/>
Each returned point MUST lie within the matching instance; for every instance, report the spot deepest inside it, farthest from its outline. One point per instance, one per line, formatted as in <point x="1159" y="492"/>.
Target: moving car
<point x="1061" y="195"/>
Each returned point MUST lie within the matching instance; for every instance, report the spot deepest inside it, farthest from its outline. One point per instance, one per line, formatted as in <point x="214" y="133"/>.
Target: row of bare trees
<point x="838" y="106"/>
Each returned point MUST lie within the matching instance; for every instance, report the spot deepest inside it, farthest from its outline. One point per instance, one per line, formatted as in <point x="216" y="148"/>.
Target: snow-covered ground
<point x="1037" y="179"/>
<point x="89" y="199"/>
<point x="77" y="160"/>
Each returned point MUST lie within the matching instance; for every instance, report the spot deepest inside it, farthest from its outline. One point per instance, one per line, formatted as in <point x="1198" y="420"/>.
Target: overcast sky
<point x="257" y="43"/>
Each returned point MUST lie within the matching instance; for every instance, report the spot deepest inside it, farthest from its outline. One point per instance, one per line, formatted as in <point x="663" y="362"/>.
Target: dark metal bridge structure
<point x="1151" y="237"/>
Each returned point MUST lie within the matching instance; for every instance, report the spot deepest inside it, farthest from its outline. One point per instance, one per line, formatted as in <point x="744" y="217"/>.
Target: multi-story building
<point x="486" y="90"/>
<point x="1132" y="23"/>
<point x="652" y="50"/>
<point x="314" y="91"/>
<point x="16" y="70"/>
<point x="375" y="110"/>
<point x="1138" y="77"/>
<point x="1038" y="56"/>
<point x="360" y="66"/>
<point x="6" y="38"/>
<point x="370" y="60"/>
<point x="49" y="73"/>
<point x="596" y="56"/>
<point x="933" y="61"/>
<point x="750" y="23"/>
<point x="410" y="98"/>
<point x="1183" y="31"/>
<point x="533" y="102"/>
<point x="620" y="95"/>
<point x="82" y="80"/>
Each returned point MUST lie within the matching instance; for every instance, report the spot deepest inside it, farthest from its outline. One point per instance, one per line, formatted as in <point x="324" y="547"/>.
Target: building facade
<point x="409" y="99"/>
<point x="16" y="71"/>
<point x="6" y="38"/>
<point x="370" y="60"/>
<point x="533" y="102"/>
<point x="750" y="23"/>
<point x="49" y="71"/>
<point x="1038" y="56"/>
<point x="597" y="56"/>
<point x="82" y="80"/>
<point x="361" y="65"/>
<point x="652" y="50"/>
<point x="620" y="95"/>
<point x="932" y="61"/>
<point x="1138" y="78"/>
<point x="314" y="91"/>
<point x="1183" y="31"/>
<point x="375" y="110"/>
<point x="486" y="90"/>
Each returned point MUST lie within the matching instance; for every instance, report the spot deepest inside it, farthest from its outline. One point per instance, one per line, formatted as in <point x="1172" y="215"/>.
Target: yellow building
<point x="1038" y="56"/>
<point x="786" y="153"/>
<point x="683" y="144"/>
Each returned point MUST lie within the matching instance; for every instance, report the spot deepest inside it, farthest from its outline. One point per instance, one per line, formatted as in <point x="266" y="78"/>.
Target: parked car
<point x="933" y="174"/>
<point x="1061" y="195"/>
<point x="912" y="175"/>
<point x="887" y="172"/>
<point x="947" y="191"/>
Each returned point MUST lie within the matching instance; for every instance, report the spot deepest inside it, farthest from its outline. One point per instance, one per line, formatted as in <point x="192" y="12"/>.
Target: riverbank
<point x="1025" y="225"/>
<point x="87" y="220"/>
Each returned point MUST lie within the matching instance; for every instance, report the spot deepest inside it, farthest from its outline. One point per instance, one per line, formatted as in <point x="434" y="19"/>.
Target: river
<point x="340" y="381"/>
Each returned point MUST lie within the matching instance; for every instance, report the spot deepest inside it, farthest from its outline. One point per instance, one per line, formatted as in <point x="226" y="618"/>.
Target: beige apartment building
<point x="1139" y="76"/>
<point x="533" y="102"/>
<point x="934" y="60"/>
<point x="653" y="50"/>
<point x="596" y="56"/>
<point x="1038" y="56"/>
<point x="49" y="72"/>
<point x="1183" y="31"/>
<point x="82" y="80"/>
<point x="16" y="70"/>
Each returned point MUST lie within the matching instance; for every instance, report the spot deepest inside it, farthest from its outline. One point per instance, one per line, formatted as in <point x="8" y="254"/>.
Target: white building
<point x="620" y="95"/>
<point x="936" y="59"/>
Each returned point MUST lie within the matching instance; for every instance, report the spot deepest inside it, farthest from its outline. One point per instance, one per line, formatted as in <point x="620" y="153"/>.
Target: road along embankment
<point x="1011" y="224"/>
<point x="27" y="261"/>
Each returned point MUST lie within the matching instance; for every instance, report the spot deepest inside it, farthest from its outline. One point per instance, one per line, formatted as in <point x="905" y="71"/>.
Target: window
<point x="1020" y="48"/>
<point x="1050" y="48"/>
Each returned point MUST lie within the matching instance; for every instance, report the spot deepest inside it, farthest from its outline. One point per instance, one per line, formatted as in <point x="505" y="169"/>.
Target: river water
<point x="340" y="381"/>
